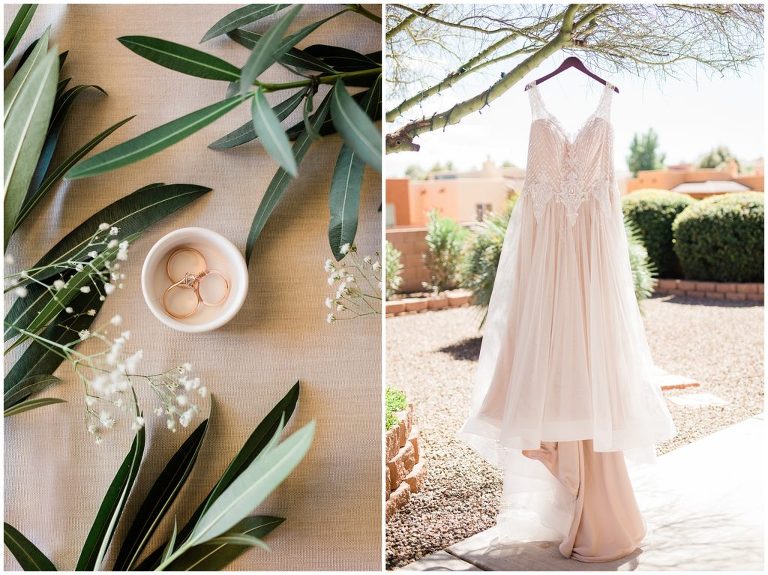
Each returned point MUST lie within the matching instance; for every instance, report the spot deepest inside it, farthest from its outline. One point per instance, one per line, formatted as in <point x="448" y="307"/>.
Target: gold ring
<point x="189" y="281"/>
<point x="178" y="251"/>
<point x="202" y="276"/>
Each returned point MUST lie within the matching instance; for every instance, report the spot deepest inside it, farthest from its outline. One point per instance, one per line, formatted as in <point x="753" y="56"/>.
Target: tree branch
<point x="402" y="139"/>
<point x="423" y="14"/>
<point x="407" y="21"/>
<point x="470" y="66"/>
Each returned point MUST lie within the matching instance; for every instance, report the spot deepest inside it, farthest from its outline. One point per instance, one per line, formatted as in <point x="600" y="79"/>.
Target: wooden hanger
<point x="571" y="62"/>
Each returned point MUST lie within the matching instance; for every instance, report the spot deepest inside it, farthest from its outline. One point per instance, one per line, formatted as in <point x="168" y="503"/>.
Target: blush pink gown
<point x="565" y="379"/>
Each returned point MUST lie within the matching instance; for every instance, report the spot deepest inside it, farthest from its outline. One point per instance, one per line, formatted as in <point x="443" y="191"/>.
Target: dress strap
<point x="538" y="110"/>
<point x="604" y="106"/>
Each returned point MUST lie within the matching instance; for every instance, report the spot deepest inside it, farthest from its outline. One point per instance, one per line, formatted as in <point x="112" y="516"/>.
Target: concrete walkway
<point x="707" y="516"/>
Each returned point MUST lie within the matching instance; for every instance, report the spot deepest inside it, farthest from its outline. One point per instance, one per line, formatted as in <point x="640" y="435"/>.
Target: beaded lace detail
<point x="569" y="168"/>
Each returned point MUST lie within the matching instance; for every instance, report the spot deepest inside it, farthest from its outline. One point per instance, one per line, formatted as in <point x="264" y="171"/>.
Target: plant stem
<point x="326" y="79"/>
<point x="363" y="12"/>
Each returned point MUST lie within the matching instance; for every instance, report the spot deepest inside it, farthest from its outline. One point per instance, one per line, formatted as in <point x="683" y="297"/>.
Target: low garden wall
<point x="410" y="243"/>
<point x="446" y="299"/>
<point x="711" y="290"/>
<point x="405" y="467"/>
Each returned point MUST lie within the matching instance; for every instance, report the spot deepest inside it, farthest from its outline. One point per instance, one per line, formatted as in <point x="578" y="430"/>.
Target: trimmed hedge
<point x="652" y="213"/>
<point x="721" y="238"/>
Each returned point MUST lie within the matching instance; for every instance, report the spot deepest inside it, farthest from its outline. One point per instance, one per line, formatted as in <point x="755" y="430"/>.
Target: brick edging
<point x="454" y="298"/>
<point x="731" y="291"/>
<point x="405" y="468"/>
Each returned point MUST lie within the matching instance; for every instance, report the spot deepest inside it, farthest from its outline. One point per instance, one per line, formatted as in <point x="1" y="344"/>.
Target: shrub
<point x="643" y="270"/>
<point x="721" y="238"/>
<point x="445" y="246"/>
<point x="395" y="401"/>
<point x="483" y="255"/>
<point x="394" y="269"/>
<point x="652" y="213"/>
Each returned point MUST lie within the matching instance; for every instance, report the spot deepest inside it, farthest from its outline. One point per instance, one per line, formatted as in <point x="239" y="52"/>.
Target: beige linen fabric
<point x="55" y="476"/>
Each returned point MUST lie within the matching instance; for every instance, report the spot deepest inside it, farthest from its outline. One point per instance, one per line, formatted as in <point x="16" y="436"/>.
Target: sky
<point x="692" y="115"/>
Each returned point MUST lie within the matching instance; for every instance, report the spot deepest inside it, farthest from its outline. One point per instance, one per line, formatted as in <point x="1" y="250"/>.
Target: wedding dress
<point x="565" y="380"/>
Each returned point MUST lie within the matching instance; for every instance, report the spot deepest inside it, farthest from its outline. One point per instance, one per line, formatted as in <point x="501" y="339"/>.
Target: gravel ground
<point x="431" y="356"/>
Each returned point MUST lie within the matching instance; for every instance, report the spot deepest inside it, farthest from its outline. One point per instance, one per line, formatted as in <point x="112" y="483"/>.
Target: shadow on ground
<point x="464" y="350"/>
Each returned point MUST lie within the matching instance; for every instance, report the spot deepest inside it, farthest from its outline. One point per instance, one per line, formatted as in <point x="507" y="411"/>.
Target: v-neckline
<point x="571" y="138"/>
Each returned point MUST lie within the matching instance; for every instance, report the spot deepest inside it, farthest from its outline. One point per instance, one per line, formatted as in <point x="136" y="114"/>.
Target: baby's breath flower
<point x="68" y="309"/>
<point x="108" y="288"/>
<point x="329" y="265"/>
<point x="79" y="267"/>
<point x="59" y="285"/>
<point x="103" y="227"/>
<point x="106" y="419"/>
<point x="116" y="320"/>
<point x="91" y="312"/>
<point x="20" y="291"/>
<point x="113" y="231"/>
<point x="85" y="289"/>
<point x="357" y="286"/>
<point x="9" y="259"/>
<point x="84" y="334"/>
<point x="186" y="418"/>
<point x="112" y="244"/>
<point x="122" y="253"/>
<point x="93" y="254"/>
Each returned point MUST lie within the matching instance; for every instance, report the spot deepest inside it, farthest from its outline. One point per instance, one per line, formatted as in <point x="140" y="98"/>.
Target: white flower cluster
<point x="100" y="257"/>
<point x="357" y="283"/>
<point x="109" y="376"/>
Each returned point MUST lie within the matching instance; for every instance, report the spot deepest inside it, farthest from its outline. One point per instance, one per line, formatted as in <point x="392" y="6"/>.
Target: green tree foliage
<point x="717" y="158"/>
<point x="644" y="152"/>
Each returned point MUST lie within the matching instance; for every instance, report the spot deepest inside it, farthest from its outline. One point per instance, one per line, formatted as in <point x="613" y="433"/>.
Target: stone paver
<point x="441" y="561"/>
<point x="705" y="513"/>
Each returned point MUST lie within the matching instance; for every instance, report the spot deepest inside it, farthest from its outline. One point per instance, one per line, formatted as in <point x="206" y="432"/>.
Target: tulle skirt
<point x="564" y="358"/>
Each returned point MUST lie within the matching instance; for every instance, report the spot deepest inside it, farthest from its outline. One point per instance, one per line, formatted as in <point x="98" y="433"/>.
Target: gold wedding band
<point x="181" y="250"/>
<point x="202" y="276"/>
<point x="189" y="281"/>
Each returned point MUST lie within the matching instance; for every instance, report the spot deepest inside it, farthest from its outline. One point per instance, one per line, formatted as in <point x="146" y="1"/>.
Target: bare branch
<point x="639" y="38"/>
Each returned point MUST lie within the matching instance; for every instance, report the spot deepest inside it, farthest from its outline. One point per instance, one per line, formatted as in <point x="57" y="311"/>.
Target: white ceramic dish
<point x="220" y="254"/>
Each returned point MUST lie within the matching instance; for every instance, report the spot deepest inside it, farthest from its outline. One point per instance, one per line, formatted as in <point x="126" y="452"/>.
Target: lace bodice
<point x="569" y="168"/>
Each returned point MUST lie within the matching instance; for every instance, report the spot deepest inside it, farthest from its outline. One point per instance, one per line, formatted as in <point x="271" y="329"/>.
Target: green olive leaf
<point x="181" y="58"/>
